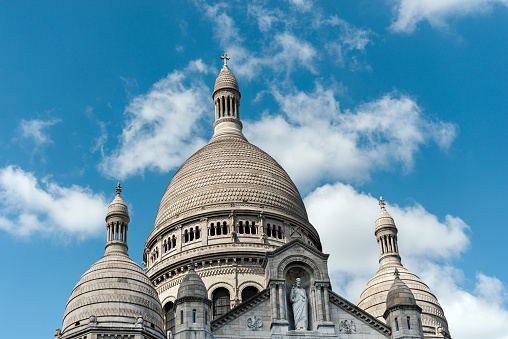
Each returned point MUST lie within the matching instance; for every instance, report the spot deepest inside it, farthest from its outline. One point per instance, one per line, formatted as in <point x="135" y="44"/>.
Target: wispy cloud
<point x="314" y="140"/>
<point x="29" y="205"/>
<point x="161" y="125"/>
<point x="37" y="130"/>
<point x="409" y="13"/>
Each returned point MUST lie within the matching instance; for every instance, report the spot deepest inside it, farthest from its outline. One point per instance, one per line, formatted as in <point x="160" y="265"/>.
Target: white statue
<point x="298" y="298"/>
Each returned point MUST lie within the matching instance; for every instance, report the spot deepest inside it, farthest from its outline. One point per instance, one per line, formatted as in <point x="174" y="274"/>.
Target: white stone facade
<point x="231" y="237"/>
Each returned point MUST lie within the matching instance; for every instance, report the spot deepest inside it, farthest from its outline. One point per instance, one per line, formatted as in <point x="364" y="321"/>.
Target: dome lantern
<point x="117" y="221"/>
<point x="226" y="97"/>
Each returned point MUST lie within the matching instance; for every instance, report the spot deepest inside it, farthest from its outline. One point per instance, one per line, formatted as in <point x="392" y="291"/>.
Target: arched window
<point x="197" y="233"/>
<point x="248" y="292"/>
<point x="268" y="230"/>
<point x="186" y="236"/>
<point x="181" y="316"/>
<point x="253" y="228"/>
<point x="220" y="302"/>
<point x="219" y="229"/>
<point x="240" y="227"/>
<point x="224" y="228"/>
<point x="165" y="246"/>
<point x="397" y="324"/>
<point x="191" y="234"/>
<point x="194" y="316"/>
<point x="408" y="323"/>
<point x="174" y="241"/>
<point x="212" y="229"/>
<point x="279" y="233"/>
<point x="170" y="317"/>
<point x="247" y="228"/>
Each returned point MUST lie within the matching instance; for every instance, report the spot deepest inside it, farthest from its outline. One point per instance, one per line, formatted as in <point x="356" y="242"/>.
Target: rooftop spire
<point x="118" y="189"/>
<point x="381" y="202"/>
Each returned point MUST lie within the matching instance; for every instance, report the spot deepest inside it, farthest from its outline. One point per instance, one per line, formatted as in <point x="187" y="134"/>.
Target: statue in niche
<point x="298" y="300"/>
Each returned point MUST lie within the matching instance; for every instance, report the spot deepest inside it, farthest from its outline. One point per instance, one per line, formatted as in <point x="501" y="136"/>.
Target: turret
<point x="402" y="313"/>
<point x="192" y="313"/>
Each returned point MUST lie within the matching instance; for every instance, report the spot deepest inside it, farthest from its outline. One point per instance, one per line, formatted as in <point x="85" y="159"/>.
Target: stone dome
<point x="225" y="80"/>
<point x="192" y="286"/>
<point x="374" y="297"/>
<point x="230" y="172"/>
<point x="118" y="207"/>
<point x="384" y="219"/>
<point x="399" y="293"/>
<point x="113" y="292"/>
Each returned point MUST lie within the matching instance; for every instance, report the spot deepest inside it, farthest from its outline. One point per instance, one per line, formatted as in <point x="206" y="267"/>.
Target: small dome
<point x="399" y="293"/>
<point x="225" y="80"/>
<point x="118" y="207"/>
<point x="192" y="286"/>
<point x="113" y="292"/>
<point x="384" y="219"/>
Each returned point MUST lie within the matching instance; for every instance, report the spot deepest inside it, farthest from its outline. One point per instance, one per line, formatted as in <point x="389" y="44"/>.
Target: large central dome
<point x="229" y="171"/>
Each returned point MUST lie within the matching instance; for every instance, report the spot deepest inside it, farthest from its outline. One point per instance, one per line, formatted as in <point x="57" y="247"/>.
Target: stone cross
<point x="118" y="189"/>
<point x="382" y="202"/>
<point x="225" y="58"/>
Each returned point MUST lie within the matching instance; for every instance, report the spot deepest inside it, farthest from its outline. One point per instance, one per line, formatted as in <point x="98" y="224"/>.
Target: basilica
<point x="234" y="255"/>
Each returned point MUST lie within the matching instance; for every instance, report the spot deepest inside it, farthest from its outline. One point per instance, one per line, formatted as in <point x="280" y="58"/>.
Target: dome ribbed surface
<point x="116" y="291"/>
<point x="225" y="79"/>
<point x="192" y="286"/>
<point x="229" y="170"/>
<point x="374" y="296"/>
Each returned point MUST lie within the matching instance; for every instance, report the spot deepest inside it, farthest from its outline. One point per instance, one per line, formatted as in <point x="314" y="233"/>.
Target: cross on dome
<point x="382" y="202"/>
<point x="118" y="189"/>
<point x="225" y="58"/>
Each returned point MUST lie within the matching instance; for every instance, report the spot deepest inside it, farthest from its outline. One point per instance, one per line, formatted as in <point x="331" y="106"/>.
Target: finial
<point x="397" y="276"/>
<point x="118" y="189"/>
<point x="382" y="202"/>
<point x="225" y="58"/>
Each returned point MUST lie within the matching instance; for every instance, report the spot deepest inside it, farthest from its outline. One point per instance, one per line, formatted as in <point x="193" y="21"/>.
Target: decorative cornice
<point x="359" y="313"/>
<point x="401" y="307"/>
<point x="190" y="299"/>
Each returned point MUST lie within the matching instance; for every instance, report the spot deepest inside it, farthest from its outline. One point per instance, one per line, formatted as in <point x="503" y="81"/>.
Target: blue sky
<point x="355" y="99"/>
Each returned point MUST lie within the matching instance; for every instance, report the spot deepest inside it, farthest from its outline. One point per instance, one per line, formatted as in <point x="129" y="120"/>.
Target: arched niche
<point x="307" y="278"/>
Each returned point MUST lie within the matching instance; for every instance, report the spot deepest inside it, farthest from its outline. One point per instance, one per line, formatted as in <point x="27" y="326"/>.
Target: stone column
<point x="238" y="109"/>
<point x="179" y="238"/>
<point x="125" y="233"/>
<point x="327" y="304"/>
<point x="230" y="106"/>
<point x="203" y="226"/>
<point x="282" y="304"/>
<point x="273" y="300"/>
<point x="319" y="302"/>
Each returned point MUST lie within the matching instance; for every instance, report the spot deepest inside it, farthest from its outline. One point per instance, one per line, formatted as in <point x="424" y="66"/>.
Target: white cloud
<point x="37" y="130"/>
<point x="29" y="205"/>
<point x="160" y="131"/>
<point x="345" y="220"/>
<point x="411" y="12"/>
<point x="302" y="5"/>
<point x="464" y="310"/>
<point x="373" y="136"/>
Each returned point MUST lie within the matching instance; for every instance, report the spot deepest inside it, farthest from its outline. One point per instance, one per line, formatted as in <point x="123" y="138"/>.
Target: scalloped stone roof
<point x="116" y="291"/>
<point x="374" y="296"/>
<point x="229" y="170"/>
<point x="225" y="79"/>
<point x="192" y="286"/>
